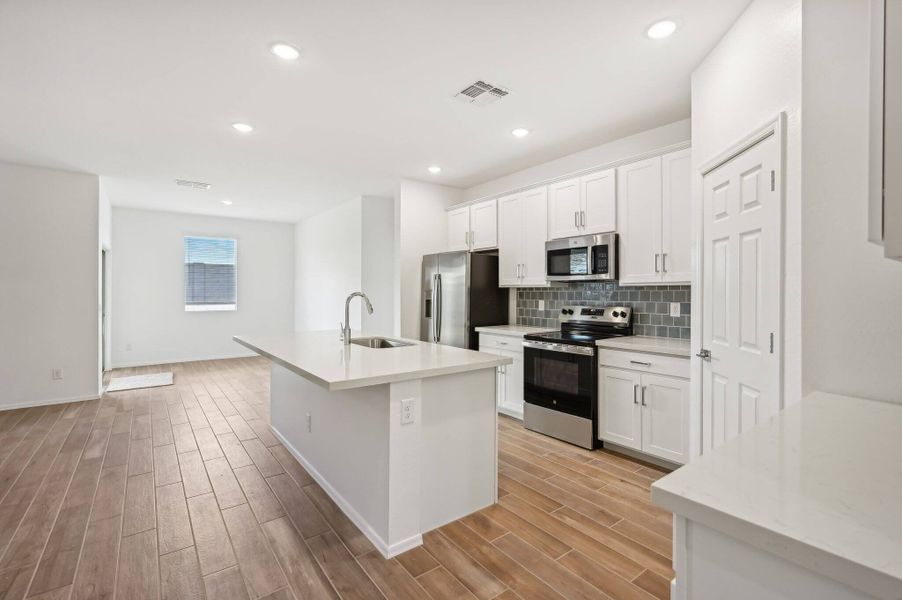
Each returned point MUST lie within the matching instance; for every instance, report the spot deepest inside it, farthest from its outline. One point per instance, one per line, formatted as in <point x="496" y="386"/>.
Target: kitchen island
<point x="404" y="439"/>
<point x="806" y="505"/>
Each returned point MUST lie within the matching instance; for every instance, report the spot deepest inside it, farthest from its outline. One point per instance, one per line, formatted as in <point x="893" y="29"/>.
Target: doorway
<point x="742" y="272"/>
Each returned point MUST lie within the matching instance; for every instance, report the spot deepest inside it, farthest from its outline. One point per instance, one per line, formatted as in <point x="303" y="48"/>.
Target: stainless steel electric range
<point x="560" y="385"/>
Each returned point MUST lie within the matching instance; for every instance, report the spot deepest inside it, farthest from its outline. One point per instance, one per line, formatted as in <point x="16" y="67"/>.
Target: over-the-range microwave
<point x="582" y="258"/>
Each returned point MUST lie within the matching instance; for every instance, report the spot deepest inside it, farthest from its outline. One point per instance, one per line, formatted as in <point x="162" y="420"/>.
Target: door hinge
<point x="773" y="181"/>
<point x="772" y="342"/>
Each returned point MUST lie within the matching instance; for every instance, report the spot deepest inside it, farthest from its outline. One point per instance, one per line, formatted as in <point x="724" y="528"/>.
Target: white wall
<point x="617" y="150"/>
<point x="49" y="285"/>
<point x="377" y="268"/>
<point x="420" y="228"/>
<point x="148" y="287"/>
<point x="852" y="295"/>
<point x="752" y="74"/>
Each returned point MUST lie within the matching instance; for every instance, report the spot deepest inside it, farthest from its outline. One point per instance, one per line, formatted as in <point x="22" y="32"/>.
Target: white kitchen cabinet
<point x="644" y="410"/>
<point x="459" y="229"/>
<point x="620" y="414"/>
<point x="583" y="206"/>
<point x="473" y="227"/>
<point x="510" y="377"/>
<point x="522" y="231"/>
<point x="654" y="219"/>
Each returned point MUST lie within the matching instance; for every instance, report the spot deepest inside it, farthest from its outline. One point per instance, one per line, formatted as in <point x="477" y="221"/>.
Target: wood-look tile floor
<point x="183" y="492"/>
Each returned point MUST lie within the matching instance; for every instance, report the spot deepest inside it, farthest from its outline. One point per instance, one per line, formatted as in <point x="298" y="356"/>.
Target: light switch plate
<point x="674" y="309"/>
<point x="408" y="411"/>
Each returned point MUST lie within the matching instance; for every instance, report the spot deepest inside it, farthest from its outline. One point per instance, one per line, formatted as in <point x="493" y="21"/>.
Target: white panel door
<point x="741" y="293"/>
<point x="639" y="221"/>
<point x="599" y="201"/>
<point x="665" y="429"/>
<point x="484" y="225"/>
<point x="513" y="384"/>
<point x="459" y="229"/>
<point x="676" y="216"/>
<point x="619" y="411"/>
<point x="535" y="233"/>
<point x="510" y="239"/>
<point x="563" y="209"/>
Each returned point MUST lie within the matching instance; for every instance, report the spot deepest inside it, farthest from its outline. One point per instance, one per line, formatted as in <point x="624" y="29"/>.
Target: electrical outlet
<point x="674" y="309"/>
<point x="408" y="408"/>
<point x="309" y="423"/>
<point x="541" y="305"/>
<point x="56" y="374"/>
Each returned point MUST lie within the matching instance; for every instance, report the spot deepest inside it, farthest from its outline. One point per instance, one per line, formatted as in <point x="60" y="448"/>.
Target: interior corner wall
<point x="49" y="276"/>
<point x="753" y="74"/>
<point x="151" y="325"/>
<point x="851" y="294"/>
<point x="421" y="228"/>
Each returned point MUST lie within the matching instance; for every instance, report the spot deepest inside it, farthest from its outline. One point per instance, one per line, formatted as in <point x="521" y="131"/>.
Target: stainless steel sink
<point x="379" y="342"/>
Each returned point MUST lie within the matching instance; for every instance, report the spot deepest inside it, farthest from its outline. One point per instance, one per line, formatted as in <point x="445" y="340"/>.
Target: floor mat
<point x="118" y="384"/>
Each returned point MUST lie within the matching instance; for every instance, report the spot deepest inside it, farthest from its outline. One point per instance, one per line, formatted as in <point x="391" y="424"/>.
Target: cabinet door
<point x="664" y="427"/>
<point x="459" y="229"/>
<point x="599" y="200"/>
<point x="484" y="225"/>
<point x="563" y="209"/>
<point x="676" y="216"/>
<point x="513" y="384"/>
<point x="534" y="232"/>
<point x="510" y="239"/>
<point x="619" y="412"/>
<point x="639" y="226"/>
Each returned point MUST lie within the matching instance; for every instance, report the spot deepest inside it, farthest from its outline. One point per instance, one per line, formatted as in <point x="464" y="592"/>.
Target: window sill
<point x="211" y="307"/>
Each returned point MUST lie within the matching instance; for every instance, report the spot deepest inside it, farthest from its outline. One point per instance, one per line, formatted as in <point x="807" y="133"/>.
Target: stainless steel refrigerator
<point x="459" y="293"/>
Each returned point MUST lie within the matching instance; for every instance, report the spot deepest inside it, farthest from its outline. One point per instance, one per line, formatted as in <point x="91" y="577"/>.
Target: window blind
<point x="210" y="274"/>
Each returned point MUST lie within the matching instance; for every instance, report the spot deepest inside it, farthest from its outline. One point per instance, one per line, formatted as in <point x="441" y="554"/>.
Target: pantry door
<point x="741" y="291"/>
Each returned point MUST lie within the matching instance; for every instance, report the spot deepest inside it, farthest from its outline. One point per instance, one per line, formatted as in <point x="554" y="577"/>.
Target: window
<point x="211" y="278"/>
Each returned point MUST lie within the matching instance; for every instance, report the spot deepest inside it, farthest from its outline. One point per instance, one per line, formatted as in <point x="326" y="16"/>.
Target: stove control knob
<point x="569" y="311"/>
<point x="563" y="311"/>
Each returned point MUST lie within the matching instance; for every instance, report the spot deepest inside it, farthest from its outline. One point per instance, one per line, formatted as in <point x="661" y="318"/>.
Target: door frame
<point x="774" y="127"/>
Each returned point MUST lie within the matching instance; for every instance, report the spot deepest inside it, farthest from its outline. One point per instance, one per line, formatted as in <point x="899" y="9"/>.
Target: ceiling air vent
<point x="200" y="185"/>
<point x="481" y="93"/>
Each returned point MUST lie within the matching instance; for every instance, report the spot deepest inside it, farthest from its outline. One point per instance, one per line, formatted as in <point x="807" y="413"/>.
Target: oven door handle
<point x="562" y="348"/>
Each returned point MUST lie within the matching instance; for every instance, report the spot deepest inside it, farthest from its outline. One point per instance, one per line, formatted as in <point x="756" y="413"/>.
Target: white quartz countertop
<point x="819" y="484"/>
<point x="321" y="357"/>
<point x="641" y="343"/>
<point x="514" y="330"/>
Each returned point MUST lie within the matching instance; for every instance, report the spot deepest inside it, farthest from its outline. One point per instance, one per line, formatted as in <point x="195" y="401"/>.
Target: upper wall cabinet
<point x="583" y="205"/>
<point x="473" y="227"/>
<point x="654" y="213"/>
<point x="522" y="231"/>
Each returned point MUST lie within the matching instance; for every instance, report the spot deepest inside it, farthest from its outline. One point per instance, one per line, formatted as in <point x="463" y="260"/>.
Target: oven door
<point x="560" y="380"/>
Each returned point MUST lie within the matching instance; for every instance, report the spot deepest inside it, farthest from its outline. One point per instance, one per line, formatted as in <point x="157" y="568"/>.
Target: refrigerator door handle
<point x="437" y="308"/>
<point x="433" y="319"/>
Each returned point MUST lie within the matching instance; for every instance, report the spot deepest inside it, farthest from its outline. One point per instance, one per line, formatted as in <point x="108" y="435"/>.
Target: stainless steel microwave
<point x="582" y="258"/>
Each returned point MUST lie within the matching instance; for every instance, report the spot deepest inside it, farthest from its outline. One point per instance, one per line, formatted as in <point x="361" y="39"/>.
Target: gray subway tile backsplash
<point x="650" y="304"/>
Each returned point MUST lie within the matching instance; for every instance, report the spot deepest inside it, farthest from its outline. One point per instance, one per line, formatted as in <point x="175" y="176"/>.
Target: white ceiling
<point x="144" y="92"/>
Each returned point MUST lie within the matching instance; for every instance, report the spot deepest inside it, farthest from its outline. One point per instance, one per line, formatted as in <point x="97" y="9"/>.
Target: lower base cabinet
<point x="644" y="411"/>
<point x="510" y="377"/>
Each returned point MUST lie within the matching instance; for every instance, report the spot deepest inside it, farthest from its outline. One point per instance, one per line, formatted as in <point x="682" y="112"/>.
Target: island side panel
<point x="459" y="446"/>
<point x="346" y="447"/>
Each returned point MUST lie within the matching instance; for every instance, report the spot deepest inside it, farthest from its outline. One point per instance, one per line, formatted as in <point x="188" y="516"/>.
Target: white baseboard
<point x="387" y="550"/>
<point x="128" y="365"/>
<point x="49" y="402"/>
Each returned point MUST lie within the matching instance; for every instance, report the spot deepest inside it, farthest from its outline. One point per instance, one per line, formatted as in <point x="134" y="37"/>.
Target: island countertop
<point x="818" y="484"/>
<point x="321" y="357"/>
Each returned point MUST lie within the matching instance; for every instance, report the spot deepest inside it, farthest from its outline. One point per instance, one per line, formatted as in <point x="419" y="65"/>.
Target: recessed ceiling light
<point x="661" y="30"/>
<point x="242" y="127"/>
<point x="520" y="132"/>
<point x="285" y="51"/>
<point x="435" y="169"/>
<point x="226" y="202"/>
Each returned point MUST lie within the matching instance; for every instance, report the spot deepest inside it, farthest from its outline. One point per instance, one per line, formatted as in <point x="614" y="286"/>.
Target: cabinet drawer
<point x="646" y="363"/>
<point x="489" y="342"/>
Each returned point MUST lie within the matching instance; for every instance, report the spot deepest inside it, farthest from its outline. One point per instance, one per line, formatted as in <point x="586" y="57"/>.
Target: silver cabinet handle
<point x="639" y="362"/>
<point x="636" y="393"/>
<point x="664" y="262"/>
<point x="656" y="263"/>
<point x="576" y="218"/>
<point x="523" y="275"/>
<point x="502" y="343"/>
<point x="643" y="395"/>
<point x="582" y="218"/>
